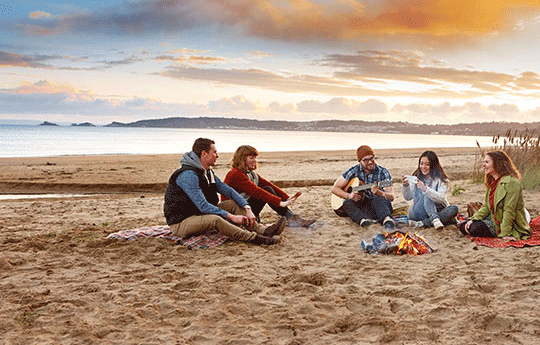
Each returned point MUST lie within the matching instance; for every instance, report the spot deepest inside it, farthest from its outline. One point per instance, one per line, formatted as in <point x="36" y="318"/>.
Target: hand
<point x="237" y="219"/>
<point x="251" y="219"/>
<point x="377" y="191"/>
<point x="355" y="196"/>
<point x="290" y="201"/>
<point x="421" y="185"/>
<point x="404" y="181"/>
<point x="467" y="226"/>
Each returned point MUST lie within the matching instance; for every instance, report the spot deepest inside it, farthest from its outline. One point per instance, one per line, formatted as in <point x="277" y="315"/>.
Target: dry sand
<point x="62" y="282"/>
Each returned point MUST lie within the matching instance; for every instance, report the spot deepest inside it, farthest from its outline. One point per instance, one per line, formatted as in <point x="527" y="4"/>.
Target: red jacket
<point x="239" y="181"/>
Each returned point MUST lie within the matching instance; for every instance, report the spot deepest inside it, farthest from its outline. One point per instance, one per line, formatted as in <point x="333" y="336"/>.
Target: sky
<point x="416" y="61"/>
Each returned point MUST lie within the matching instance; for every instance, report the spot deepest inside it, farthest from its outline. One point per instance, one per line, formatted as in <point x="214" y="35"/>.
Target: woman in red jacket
<point x="258" y="191"/>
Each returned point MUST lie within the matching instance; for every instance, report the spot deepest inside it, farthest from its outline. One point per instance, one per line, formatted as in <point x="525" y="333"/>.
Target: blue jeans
<point x="370" y="207"/>
<point x="425" y="210"/>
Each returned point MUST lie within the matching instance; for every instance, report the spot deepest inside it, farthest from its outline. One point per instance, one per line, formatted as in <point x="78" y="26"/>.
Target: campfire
<point x="397" y="243"/>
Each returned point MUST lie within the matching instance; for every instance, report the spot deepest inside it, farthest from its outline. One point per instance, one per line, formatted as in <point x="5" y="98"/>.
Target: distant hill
<point x="484" y="129"/>
<point x="46" y="123"/>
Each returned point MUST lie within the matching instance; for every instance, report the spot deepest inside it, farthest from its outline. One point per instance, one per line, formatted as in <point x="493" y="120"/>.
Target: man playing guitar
<point x="371" y="205"/>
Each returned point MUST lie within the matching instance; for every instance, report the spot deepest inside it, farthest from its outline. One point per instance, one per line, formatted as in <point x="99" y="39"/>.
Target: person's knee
<point x="348" y="204"/>
<point x="453" y="210"/>
<point x="269" y="189"/>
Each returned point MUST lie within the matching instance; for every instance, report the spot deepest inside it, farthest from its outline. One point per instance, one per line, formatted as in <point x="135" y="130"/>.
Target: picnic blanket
<point x="534" y="240"/>
<point x="208" y="240"/>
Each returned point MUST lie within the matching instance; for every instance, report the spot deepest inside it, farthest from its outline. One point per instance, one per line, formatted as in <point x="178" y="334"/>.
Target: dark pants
<point x="257" y="205"/>
<point x="372" y="207"/>
<point x="478" y="228"/>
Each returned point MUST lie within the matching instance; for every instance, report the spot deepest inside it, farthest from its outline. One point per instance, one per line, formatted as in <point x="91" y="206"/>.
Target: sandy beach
<point x="63" y="282"/>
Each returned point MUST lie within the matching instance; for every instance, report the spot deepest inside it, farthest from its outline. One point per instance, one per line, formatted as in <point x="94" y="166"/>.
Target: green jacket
<point x="509" y="217"/>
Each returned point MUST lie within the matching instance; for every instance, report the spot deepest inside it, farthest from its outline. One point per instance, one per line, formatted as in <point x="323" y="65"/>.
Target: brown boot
<point x="276" y="228"/>
<point x="260" y="239"/>
<point x="298" y="222"/>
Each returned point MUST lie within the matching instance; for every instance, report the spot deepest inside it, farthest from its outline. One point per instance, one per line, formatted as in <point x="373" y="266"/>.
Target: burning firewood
<point x="397" y="243"/>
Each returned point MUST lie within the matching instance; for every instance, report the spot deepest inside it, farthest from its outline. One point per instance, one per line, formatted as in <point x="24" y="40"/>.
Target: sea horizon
<point x="45" y="141"/>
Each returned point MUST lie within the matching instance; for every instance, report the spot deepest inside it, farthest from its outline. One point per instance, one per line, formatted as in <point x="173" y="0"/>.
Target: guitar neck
<point x="363" y="187"/>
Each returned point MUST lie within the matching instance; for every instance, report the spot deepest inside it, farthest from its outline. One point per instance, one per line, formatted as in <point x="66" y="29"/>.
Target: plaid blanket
<point x="208" y="240"/>
<point x="534" y="240"/>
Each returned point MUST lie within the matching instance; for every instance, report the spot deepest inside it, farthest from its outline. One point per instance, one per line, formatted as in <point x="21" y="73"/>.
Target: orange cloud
<point x="441" y="21"/>
<point x="47" y="87"/>
<point x="39" y="14"/>
<point x="192" y="58"/>
<point x="348" y="19"/>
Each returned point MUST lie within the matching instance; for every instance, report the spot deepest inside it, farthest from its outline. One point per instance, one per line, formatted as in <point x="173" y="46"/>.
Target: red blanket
<point x="208" y="240"/>
<point x="534" y="240"/>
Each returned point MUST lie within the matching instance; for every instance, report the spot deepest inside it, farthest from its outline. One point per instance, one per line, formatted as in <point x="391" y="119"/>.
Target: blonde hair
<point x="240" y="155"/>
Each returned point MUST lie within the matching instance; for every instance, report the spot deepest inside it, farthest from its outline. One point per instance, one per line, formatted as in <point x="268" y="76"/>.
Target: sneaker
<point x="298" y="222"/>
<point x="389" y="223"/>
<point x="276" y="228"/>
<point x="260" y="239"/>
<point x="437" y="224"/>
<point x="365" y="222"/>
<point x="416" y="223"/>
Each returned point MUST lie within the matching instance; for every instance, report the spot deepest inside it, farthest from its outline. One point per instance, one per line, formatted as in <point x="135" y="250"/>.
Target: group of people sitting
<point x="364" y="193"/>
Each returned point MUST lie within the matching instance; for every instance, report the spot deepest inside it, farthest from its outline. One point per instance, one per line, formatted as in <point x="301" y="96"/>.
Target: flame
<point x="410" y="244"/>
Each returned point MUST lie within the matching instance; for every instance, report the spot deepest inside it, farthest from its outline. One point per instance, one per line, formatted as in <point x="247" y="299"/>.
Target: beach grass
<point x="524" y="150"/>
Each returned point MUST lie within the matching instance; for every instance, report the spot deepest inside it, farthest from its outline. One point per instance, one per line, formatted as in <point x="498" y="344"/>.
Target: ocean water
<point x="46" y="141"/>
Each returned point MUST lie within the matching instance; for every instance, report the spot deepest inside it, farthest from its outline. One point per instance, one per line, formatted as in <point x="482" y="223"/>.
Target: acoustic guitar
<point x="355" y="185"/>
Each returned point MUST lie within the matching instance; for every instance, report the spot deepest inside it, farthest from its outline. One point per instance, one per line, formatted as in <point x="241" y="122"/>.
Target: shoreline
<point x="150" y="173"/>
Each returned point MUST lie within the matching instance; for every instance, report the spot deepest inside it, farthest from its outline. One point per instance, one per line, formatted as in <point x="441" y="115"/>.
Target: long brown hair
<point x="240" y="155"/>
<point x="502" y="164"/>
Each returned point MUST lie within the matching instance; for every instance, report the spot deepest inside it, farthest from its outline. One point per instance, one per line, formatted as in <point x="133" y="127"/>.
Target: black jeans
<point x="478" y="228"/>
<point x="257" y="204"/>
<point x="370" y="207"/>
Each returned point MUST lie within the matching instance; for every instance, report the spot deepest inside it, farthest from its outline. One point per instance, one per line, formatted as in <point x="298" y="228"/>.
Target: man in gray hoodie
<point x="192" y="203"/>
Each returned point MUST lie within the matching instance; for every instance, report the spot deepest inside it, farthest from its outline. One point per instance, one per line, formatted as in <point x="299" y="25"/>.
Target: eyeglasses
<point x="372" y="158"/>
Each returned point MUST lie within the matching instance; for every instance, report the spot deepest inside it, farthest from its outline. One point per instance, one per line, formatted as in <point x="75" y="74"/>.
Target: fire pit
<point x="397" y="243"/>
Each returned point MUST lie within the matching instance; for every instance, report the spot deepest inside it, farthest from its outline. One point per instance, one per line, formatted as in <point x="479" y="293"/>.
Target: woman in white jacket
<point x="427" y="188"/>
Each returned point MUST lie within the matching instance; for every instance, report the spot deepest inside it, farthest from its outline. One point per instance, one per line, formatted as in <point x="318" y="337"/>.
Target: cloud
<point x="38" y="14"/>
<point x="440" y="21"/>
<point x="342" y="106"/>
<point x="18" y="60"/>
<point x="233" y="105"/>
<point x="260" y="54"/>
<point x="468" y="112"/>
<point x="372" y="73"/>
<point x="188" y="51"/>
<point x="46" y="97"/>
<point x="410" y="66"/>
<point x="190" y="59"/>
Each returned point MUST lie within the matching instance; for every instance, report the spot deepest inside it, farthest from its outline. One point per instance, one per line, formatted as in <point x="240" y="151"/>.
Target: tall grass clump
<point x="524" y="150"/>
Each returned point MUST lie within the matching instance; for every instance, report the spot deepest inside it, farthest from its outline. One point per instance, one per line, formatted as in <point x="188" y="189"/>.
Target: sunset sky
<point x="424" y="61"/>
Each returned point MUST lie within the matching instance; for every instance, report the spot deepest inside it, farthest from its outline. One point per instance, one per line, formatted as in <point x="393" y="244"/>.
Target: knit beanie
<point x="363" y="151"/>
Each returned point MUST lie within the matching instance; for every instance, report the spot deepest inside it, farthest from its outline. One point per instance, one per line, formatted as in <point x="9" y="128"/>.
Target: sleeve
<point x="189" y="182"/>
<point x="350" y="173"/>
<point x="513" y="193"/>
<point x="230" y="193"/>
<point x="408" y="192"/>
<point x="438" y="195"/>
<point x="385" y="175"/>
<point x="266" y="196"/>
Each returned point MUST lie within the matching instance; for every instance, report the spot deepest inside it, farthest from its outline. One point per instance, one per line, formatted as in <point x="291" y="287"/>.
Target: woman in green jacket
<point x="503" y="213"/>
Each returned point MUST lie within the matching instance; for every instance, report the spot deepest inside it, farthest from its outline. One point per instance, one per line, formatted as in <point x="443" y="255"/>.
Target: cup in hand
<point x="411" y="179"/>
